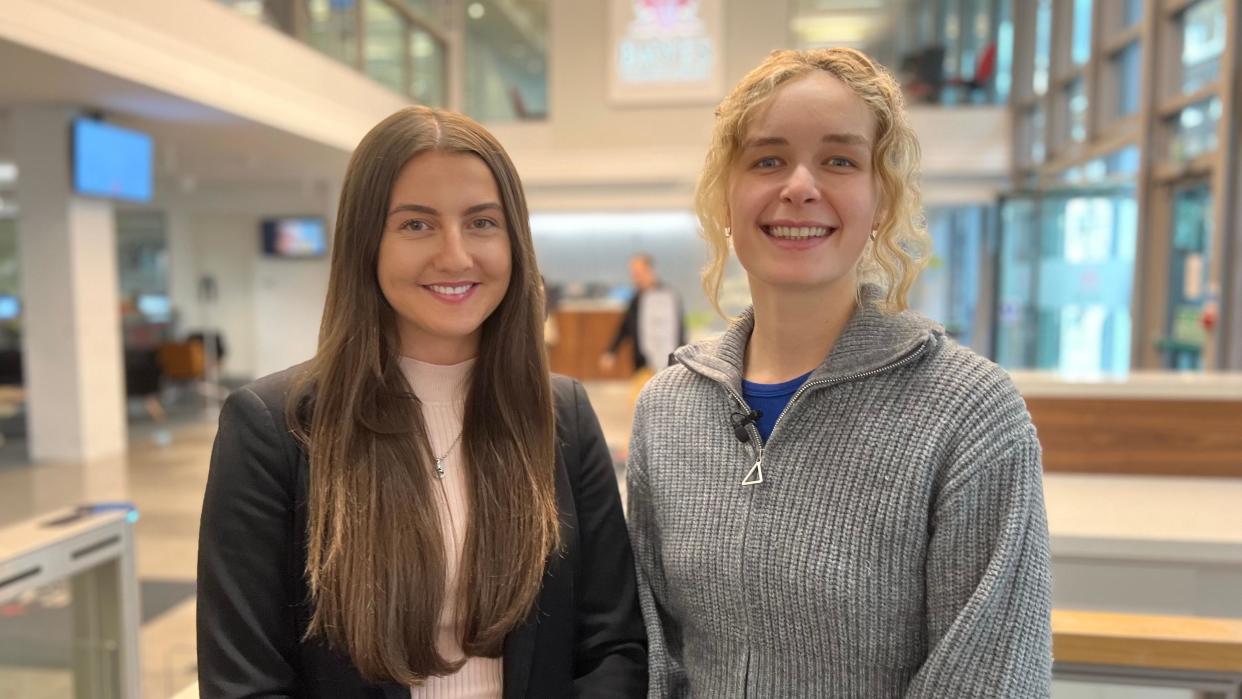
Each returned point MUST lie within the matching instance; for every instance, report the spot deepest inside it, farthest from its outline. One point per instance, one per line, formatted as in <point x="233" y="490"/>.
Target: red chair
<point x="985" y="70"/>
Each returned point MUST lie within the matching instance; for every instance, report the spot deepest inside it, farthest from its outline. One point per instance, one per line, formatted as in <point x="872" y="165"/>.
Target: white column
<point x="71" y="341"/>
<point x="182" y="270"/>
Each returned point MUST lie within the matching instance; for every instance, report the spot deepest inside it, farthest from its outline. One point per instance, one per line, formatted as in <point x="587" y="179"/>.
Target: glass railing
<point x="943" y="53"/>
<point x="405" y="46"/>
<point x="400" y="44"/>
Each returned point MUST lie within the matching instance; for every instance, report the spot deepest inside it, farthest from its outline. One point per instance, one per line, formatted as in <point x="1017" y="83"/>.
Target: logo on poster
<point x="666" y="41"/>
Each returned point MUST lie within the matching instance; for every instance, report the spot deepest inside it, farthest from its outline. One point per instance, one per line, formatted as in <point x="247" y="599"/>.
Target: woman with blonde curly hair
<point x="833" y="499"/>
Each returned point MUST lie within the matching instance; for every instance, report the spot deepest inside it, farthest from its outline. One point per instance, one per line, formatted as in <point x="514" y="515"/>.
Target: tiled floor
<point x="165" y="479"/>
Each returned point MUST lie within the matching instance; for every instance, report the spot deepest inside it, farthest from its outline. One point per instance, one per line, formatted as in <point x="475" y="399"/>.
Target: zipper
<point x="757" y="468"/>
<point x="758" y="450"/>
<point x="755" y="439"/>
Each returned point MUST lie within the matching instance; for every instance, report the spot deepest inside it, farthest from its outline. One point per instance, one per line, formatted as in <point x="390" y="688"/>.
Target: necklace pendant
<point x="755" y="475"/>
<point x="440" y="469"/>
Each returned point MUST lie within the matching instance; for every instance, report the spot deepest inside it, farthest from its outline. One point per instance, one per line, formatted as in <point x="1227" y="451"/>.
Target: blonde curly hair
<point x="898" y="252"/>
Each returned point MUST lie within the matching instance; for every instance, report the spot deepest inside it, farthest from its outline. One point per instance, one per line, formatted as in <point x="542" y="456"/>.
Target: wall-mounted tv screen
<point x="295" y="236"/>
<point x="156" y="308"/>
<point x="10" y="307"/>
<point x="111" y="162"/>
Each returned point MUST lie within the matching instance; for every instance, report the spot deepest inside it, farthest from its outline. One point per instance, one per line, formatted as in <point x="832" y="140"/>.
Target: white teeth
<point x="450" y="290"/>
<point x="798" y="233"/>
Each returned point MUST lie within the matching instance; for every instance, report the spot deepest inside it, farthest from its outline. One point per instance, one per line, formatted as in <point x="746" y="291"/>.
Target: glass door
<point x="1065" y="278"/>
<point x="1189" y="290"/>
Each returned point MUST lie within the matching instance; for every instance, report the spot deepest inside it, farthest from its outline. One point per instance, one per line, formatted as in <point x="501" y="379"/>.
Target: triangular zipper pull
<point x="755" y="475"/>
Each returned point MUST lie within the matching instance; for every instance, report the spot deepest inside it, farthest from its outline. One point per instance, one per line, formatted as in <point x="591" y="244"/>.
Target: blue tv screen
<point x="157" y="308"/>
<point x="295" y="236"/>
<point x="111" y="162"/>
<point x="10" y="307"/>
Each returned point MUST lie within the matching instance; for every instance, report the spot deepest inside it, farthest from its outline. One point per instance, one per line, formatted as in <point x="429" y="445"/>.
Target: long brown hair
<point x="375" y="553"/>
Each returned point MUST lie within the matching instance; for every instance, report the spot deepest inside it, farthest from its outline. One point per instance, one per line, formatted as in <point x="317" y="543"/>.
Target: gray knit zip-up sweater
<point x="897" y="545"/>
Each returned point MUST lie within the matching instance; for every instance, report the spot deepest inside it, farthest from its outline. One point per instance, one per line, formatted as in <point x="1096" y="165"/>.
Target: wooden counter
<point x="1146" y="423"/>
<point x="584" y="333"/>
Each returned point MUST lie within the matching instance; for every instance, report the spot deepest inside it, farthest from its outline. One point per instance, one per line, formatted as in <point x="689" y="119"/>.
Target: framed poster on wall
<point x="665" y="52"/>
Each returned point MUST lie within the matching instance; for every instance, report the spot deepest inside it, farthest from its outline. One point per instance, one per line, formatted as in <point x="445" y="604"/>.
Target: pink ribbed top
<point x="442" y="392"/>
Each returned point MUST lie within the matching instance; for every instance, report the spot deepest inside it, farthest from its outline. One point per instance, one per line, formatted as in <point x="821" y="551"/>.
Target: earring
<point x="873" y="235"/>
<point x="728" y="232"/>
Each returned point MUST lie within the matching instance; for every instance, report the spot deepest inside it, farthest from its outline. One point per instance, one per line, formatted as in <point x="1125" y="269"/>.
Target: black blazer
<point x="584" y="636"/>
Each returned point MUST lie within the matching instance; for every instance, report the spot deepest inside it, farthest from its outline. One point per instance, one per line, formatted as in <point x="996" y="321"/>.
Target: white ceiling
<point x="193" y="142"/>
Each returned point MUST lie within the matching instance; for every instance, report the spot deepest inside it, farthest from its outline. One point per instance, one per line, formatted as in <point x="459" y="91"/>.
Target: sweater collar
<point x="437" y="383"/>
<point x="871" y="340"/>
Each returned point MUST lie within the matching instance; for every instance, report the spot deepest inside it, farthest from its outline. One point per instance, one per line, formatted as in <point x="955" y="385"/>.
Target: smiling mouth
<point x="798" y="232"/>
<point x="451" y="289"/>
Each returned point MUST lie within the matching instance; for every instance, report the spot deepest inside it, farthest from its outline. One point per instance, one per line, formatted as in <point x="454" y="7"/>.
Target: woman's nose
<point x="801" y="187"/>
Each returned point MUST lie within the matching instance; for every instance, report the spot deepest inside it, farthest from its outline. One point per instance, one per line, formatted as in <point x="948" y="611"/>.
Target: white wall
<point x="267" y="309"/>
<point x="288" y="303"/>
<point x="225" y="246"/>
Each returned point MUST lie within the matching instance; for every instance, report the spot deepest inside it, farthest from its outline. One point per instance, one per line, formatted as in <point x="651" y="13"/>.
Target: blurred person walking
<point x="420" y="510"/>
<point x="653" y="323"/>
<point x="834" y="498"/>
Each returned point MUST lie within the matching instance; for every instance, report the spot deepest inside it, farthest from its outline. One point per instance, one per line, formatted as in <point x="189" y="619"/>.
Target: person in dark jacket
<point x="653" y="322"/>
<point x="420" y="510"/>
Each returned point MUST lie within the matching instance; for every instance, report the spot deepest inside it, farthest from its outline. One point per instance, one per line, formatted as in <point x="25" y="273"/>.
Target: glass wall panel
<point x="948" y="290"/>
<point x="332" y="28"/>
<point x="1075" y="115"/>
<point x="384" y="52"/>
<point x="1065" y="280"/>
<point x="506" y="59"/>
<point x="37" y="645"/>
<point x="1127" y="75"/>
<point x="10" y="313"/>
<point x="427" y="58"/>
<point x="1033" y="136"/>
<point x="1203" y="42"/>
<point x="1043" y="46"/>
<point x="1189" y="256"/>
<point x="1131" y="12"/>
<point x="1004" y="51"/>
<point x="432" y="11"/>
<point x="1193" y="130"/>
<point x="1018" y="256"/>
<point x="277" y="14"/>
<point x="1080" y="48"/>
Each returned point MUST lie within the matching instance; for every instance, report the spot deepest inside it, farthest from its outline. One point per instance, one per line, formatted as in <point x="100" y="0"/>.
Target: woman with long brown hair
<point x="420" y="509"/>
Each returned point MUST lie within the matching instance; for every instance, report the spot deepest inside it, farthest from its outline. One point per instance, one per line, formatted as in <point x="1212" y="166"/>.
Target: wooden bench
<point x="1199" y="653"/>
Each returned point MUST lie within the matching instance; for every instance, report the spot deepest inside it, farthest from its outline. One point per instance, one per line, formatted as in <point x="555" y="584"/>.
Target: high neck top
<point x="438" y="383"/>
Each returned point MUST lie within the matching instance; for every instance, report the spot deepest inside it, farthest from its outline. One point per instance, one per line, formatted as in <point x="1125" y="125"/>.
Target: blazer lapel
<point x="393" y="690"/>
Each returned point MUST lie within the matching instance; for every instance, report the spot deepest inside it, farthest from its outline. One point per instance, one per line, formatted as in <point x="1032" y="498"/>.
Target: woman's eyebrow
<point x="416" y="208"/>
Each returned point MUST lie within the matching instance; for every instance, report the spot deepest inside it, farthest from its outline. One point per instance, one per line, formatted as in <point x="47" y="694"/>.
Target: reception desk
<point x="584" y="330"/>
<point x="1144" y="423"/>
